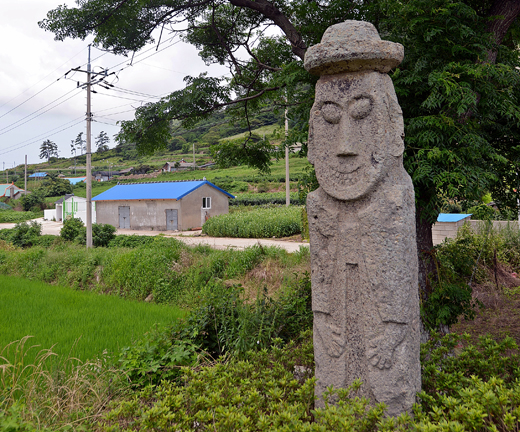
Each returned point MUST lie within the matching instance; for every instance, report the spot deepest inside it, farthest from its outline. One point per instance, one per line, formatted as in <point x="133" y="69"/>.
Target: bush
<point x="156" y="357"/>
<point x="71" y="228"/>
<point x="26" y="235"/>
<point x="254" y="199"/>
<point x="102" y="235"/>
<point x="34" y="199"/>
<point x="130" y="241"/>
<point x="228" y="323"/>
<point x="260" y="223"/>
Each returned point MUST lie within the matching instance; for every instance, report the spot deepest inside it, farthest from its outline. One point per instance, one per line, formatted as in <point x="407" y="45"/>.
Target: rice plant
<point x="260" y="223"/>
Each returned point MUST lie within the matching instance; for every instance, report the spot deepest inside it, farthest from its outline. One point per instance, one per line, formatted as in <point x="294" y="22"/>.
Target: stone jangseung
<point x="362" y="222"/>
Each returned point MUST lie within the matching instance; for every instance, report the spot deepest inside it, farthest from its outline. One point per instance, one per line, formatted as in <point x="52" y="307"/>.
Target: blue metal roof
<point x="38" y="174"/>
<point x="150" y="191"/>
<point x="451" y="217"/>
<point x="75" y="180"/>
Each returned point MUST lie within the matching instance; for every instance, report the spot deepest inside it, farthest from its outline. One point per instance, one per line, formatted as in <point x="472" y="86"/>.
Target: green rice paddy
<point x="75" y="323"/>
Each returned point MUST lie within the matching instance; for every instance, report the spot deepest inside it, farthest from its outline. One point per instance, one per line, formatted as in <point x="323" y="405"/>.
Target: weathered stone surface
<point x="362" y="228"/>
<point x="365" y="50"/>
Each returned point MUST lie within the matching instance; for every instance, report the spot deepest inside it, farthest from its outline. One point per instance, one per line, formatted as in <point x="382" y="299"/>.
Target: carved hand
<point x="383" y="347"/>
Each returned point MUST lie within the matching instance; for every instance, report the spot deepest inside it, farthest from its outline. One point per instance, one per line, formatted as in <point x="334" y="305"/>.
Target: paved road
<point x="188" y="237"/>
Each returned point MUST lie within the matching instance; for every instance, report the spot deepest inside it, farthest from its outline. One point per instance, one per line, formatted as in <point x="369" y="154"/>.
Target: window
<point x="206" y="203"/>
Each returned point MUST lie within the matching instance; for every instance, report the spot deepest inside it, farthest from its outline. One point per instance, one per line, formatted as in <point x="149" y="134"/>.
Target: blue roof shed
<point x="161" y="206"/>
<point x="154" y="191"/>
<point x="452" y="217"/>
<point x="38" y="175"/>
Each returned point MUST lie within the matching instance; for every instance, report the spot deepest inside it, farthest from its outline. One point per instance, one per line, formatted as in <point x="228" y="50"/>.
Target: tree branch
<point x="270" y="11"/>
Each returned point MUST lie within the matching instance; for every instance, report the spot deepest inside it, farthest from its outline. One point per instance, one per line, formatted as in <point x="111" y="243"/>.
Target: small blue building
<point x="161" y="206"/>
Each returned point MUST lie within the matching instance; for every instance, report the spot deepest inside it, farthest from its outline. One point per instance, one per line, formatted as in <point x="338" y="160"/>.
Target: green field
<point x="78" y="323"/>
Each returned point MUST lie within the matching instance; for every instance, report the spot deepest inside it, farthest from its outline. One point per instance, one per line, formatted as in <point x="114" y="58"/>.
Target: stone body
<point x="362" y="223"/>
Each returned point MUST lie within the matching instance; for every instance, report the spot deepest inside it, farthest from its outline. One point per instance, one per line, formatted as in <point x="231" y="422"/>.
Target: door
<point x="171" y="219"/>
<point x="124" y="217"/>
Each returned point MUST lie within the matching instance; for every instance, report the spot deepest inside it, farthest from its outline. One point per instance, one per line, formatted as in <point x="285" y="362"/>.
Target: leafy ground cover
<point x="75" y="323"/>
<point x="11" y="216"/>
<point x="239" y="361"/>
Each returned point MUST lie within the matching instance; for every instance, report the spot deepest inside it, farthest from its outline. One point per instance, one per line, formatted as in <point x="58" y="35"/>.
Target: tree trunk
<point x="506" y="11"/>
<point x="427" y="268"/>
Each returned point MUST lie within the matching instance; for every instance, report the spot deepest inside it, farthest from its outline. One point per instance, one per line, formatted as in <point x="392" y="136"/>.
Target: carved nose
<point x="346" y="147"/>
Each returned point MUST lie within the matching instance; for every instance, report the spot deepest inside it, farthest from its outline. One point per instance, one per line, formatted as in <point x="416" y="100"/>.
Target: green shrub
<point x="476" y="388"/>
<point x="71" y="228"/>
<point x="228" y="323"/>
<point x="130" y="241"/>
<point x="483" y="212"/>
<point x="32" y="200"/>
<point x="156" y="357"/>
<point x="260" y="223"/>
<point x="102" y="235"/>
<point x="11" y="420"/>
<point x="26" y="235"/>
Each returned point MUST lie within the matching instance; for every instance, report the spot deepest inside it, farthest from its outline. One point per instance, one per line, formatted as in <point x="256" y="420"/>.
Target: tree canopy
<point x="48" y="149"/>
<point x="458" y="84"/>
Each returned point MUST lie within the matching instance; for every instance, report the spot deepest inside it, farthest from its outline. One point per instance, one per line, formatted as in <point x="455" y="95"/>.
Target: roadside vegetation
<point x="242" y="357"/>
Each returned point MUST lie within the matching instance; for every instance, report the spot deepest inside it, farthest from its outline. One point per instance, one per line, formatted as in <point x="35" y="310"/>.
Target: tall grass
<point x="77" y="323"/>
<point x="39" y="389"/>
<point x="166" y="268"/>
<point x="260" y="223"/>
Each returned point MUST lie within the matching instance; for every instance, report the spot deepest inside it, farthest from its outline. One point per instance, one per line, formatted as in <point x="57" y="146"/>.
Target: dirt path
<point x="189" y="237"/>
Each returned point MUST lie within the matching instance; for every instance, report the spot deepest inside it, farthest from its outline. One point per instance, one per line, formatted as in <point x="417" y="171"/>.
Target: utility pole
<point x="88" y="86"/>
<point x="25" y="176"/>
<point x="287" y="177"/>
<point x="89" y="161"/>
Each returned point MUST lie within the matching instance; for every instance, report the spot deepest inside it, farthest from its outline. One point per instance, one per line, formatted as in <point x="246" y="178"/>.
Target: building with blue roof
<point x="38" y="175"/>
<point x="10" y="191"/>
<point x="448" y="225"/>
<point x="161" y="206"/>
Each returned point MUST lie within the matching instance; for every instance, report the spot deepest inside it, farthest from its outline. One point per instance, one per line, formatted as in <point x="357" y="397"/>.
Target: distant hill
<point x="184" y="144"/>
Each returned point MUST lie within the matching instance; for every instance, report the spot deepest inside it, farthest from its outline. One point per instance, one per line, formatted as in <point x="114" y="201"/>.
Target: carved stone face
<point x="356" y="131"/>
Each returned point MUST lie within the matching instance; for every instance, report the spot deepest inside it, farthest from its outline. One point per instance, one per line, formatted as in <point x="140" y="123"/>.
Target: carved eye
<point x="331" y="112"/>
<point x="360" y="107"/>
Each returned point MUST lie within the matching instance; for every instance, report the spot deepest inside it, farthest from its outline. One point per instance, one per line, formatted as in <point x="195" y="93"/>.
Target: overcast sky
<point x="38" y="103"/>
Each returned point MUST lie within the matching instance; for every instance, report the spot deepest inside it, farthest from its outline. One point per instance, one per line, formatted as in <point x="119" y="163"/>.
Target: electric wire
<point x="37" y="140"/>
<point x="36" y="116"/>
<point x="44" y="134"/>
<point x="35" y="84"/>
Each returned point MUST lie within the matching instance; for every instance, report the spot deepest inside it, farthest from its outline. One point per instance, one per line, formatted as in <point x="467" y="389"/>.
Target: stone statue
<point x="362" y="222"/>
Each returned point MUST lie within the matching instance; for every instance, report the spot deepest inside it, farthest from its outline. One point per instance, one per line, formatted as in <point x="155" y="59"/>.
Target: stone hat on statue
<point x="352" y="46"/>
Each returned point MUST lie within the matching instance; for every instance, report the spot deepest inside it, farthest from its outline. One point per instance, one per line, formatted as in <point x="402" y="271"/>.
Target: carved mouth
<point x="347" y="168"/>
<point x="347" y="164"/>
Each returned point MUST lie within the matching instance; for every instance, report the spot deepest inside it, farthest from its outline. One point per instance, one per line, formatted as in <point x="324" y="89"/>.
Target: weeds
<point x="53" y="390"/>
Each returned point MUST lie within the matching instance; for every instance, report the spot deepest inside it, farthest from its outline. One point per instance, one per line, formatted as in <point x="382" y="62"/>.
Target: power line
<point x="35" y="141"/>
<point x="133" y="92"/>
<point x="121" y="97"/>
<point x="46" y="76"/>
<point x="35" y="116"/>
<point x="44" y="134"/>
